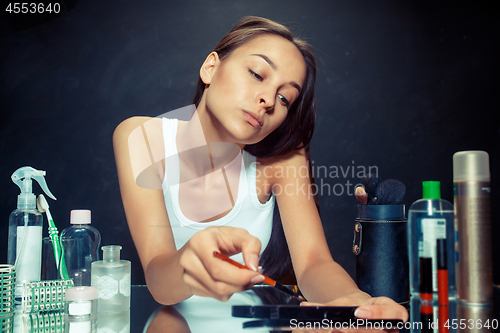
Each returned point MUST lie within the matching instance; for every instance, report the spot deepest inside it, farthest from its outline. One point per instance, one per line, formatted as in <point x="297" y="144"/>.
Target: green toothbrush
<point x="43" y="206"/>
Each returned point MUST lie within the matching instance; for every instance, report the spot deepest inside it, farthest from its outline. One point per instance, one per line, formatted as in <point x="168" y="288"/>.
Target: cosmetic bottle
<point x="471" y="184"/>
<point x="80" y="302"/>
<point x="429" y="219"/>
<point x="25" y="229"/>
<point x="111" y="277"/>
<point x="80" y="247"/>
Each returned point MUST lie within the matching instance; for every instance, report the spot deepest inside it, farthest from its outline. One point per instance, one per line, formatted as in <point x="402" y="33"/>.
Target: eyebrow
<point x="273" y="66"/>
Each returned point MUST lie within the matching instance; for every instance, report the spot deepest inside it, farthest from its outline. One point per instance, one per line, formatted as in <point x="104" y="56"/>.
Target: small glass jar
<point x="80" y="302"/>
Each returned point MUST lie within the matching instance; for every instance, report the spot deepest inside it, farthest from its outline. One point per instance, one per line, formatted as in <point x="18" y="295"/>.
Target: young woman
<point x="223" y="172"/>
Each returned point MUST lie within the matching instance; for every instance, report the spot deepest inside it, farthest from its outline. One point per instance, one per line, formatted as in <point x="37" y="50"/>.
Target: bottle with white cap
<point x="80" y="245"/>
<point x="80" y="309"/>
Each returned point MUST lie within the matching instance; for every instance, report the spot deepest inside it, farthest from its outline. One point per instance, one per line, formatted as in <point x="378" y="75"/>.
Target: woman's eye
<point x="255" y="75"/>
<point x="284" y="101"/>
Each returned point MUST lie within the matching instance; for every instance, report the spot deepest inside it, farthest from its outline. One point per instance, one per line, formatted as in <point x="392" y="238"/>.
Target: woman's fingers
<point x="236" y="240"/>
<point x="231" y="241"/>
<point x="381" y="308"/>
<point x="382" y="312"/>
<point x="223" y="271"/>
<point x="207" y="275"/>
<point x="373" y="308"/>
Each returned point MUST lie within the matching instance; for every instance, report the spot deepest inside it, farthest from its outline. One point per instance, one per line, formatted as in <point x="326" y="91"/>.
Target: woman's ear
<point x="208" y="68"/>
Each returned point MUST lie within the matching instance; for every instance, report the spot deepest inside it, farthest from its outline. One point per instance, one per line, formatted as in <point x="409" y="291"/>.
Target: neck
<point x="203" y="144"/>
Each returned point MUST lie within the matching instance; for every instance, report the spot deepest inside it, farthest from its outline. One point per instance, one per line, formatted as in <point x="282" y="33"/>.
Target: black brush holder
<point x="380" y="246"/>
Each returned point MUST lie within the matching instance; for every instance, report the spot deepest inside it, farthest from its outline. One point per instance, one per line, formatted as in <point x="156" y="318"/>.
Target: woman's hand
<point x="208" y="276"/>
<point x="381" y="308"/>
<point x="368" y="307"/>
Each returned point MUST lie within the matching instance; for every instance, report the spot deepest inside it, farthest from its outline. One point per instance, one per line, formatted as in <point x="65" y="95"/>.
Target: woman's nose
<point x="266" y="101"/>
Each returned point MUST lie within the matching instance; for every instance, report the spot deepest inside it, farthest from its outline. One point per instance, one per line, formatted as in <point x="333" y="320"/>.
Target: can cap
<point x="82" y="293"/>
<point x="431" y="190"/>
<point x="80" y="216"/>
<point x="471" y="165"/>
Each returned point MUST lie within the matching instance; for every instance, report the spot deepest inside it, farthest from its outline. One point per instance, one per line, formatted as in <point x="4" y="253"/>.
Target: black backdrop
<point x="402" y="85"/>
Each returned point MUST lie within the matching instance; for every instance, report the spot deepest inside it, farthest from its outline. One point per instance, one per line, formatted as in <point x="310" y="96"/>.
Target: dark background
<point x="402" y="86"/>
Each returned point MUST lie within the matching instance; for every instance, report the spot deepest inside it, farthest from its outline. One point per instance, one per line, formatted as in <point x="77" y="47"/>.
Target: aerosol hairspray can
<point x="471" y="182"/>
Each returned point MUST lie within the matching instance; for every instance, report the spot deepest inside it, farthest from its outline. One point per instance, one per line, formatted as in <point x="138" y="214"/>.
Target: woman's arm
<point x="146" y="214"/>
<point x="319" y="277"/>
<point x="311" y="258"/>
<point x="173" y="275"/>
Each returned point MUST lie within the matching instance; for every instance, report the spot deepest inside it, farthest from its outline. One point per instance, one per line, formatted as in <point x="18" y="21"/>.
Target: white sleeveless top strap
<point x="247" y="213"/>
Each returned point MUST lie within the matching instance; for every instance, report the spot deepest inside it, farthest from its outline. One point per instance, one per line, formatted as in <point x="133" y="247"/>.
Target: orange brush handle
<point x="267" y="280"/>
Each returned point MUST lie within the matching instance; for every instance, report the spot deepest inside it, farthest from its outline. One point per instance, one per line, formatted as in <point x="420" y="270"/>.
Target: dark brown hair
<point x="297" y="129"/>
<point x="295" y="132"/>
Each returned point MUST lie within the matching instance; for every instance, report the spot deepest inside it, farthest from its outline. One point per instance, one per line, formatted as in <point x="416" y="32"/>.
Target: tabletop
<point x="261" y="309"/>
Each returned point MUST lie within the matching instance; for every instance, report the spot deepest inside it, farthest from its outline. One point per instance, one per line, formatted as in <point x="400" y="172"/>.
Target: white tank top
<point x="248" y="212"/>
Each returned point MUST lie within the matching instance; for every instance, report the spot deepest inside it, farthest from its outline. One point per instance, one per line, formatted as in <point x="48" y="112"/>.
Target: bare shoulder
<point x="129" y="125"/>
<point x="138" y="146"/>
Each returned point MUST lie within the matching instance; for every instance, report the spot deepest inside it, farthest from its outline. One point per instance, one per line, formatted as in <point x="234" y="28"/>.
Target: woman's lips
<point x="254" y="119"/>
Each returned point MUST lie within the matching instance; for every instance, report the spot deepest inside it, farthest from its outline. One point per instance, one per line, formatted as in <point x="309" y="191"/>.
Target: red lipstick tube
<point x="442" y="270"/>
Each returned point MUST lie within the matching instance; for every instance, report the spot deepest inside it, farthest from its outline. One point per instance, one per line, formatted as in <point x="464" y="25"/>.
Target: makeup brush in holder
<point x="380" y="239"/>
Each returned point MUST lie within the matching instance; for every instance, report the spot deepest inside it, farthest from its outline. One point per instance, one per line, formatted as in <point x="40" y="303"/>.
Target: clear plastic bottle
<point x="25" y="229"/>
<point x="111" y="277"/>
<point x="80" y="243"/>
<point x="25" y="246"/>
<point x="431" y="218"/>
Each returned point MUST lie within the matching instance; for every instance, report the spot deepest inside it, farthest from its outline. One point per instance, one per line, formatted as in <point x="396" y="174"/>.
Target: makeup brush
<point x="389" y="192"/>
<point x="267" y="280"/>
<point x="370" y="182"/>
<point x="361" y="194"/>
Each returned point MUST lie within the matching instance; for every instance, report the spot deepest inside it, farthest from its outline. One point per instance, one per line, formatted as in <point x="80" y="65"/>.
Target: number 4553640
<point x="471" y="324"/>
<point x="32" y="8"/>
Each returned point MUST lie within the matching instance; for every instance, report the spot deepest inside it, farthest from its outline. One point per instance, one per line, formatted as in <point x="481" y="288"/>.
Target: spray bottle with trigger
<point x="25" y="229"/>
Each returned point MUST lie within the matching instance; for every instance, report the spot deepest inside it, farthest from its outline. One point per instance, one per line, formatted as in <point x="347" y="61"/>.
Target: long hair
<point x="294" y="133"/>
<point x="297" y="129"/>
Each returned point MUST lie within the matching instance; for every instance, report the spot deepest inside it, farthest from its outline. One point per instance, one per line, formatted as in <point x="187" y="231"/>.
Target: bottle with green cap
<point x="429" y="219"/>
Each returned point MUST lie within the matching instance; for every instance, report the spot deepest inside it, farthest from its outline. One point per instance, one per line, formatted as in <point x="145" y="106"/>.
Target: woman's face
<point x="249" y="93"/>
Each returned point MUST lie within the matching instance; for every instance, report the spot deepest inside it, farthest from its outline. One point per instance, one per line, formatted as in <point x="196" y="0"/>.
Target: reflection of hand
<point x="211" y="277"/>
<point x="368" y="308"/>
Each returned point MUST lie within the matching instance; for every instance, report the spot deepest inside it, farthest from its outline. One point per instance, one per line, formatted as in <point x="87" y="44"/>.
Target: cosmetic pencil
<point x="267" y="280"/>
<point x="442" y="270"/>
<point x="426" y="294"/>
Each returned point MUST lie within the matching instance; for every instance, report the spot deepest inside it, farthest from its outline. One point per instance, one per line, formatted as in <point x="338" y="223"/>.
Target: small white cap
<point x="80" y="294"/>
<point x="80" y="216"/>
